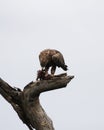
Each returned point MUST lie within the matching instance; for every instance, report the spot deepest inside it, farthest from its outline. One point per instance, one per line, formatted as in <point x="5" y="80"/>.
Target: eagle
<point x="51" y="58"/>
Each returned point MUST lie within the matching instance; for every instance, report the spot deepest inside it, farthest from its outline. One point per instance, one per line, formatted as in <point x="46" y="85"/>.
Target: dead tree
<point x="26" y="103"/>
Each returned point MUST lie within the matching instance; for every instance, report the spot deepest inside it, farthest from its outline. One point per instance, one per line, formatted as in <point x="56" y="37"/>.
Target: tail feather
<point x="65" y="67"/>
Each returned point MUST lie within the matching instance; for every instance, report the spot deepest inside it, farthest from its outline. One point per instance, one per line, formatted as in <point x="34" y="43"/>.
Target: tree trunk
<point x="26" y="103"/>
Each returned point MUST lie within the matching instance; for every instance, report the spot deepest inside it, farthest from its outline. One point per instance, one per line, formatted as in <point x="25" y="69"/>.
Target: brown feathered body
<point x="51" y="58"/>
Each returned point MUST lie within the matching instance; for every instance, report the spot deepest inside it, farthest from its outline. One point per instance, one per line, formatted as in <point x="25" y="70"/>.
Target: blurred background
<point x="76" y="29"/>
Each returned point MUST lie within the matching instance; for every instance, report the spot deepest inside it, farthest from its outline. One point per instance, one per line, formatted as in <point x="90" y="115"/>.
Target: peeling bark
<point x="26" y="103"/>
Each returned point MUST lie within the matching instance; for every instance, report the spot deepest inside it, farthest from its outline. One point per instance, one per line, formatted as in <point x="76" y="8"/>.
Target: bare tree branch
<point x="26" y="103"/>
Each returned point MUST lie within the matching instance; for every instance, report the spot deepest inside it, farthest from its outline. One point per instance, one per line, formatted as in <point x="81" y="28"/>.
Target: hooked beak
<point x="43" y="68"/>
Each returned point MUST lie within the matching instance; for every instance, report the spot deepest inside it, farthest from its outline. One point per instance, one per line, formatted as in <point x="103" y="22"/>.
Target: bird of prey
<point x="51" y="58"/>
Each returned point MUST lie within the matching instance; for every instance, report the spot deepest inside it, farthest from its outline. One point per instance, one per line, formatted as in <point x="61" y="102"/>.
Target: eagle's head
<point x="43" y="61"/>
<point x="43" y="64"/>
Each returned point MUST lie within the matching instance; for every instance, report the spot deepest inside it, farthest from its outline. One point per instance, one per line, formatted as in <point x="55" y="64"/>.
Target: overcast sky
<point x="76" y="28"/>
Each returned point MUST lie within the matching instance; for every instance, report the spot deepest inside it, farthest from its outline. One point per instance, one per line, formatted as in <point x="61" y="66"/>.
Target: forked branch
<point x="26" y="103"/>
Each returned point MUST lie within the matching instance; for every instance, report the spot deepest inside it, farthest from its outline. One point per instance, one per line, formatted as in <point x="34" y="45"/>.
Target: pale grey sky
<point x="76" y="28"/>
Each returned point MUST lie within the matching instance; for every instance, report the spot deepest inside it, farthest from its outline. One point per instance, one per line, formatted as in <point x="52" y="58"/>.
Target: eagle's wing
<point x="58" y="59"/>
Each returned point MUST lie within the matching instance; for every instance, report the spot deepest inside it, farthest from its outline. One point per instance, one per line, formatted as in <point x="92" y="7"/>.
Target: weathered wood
<point x="26" y="103"/>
